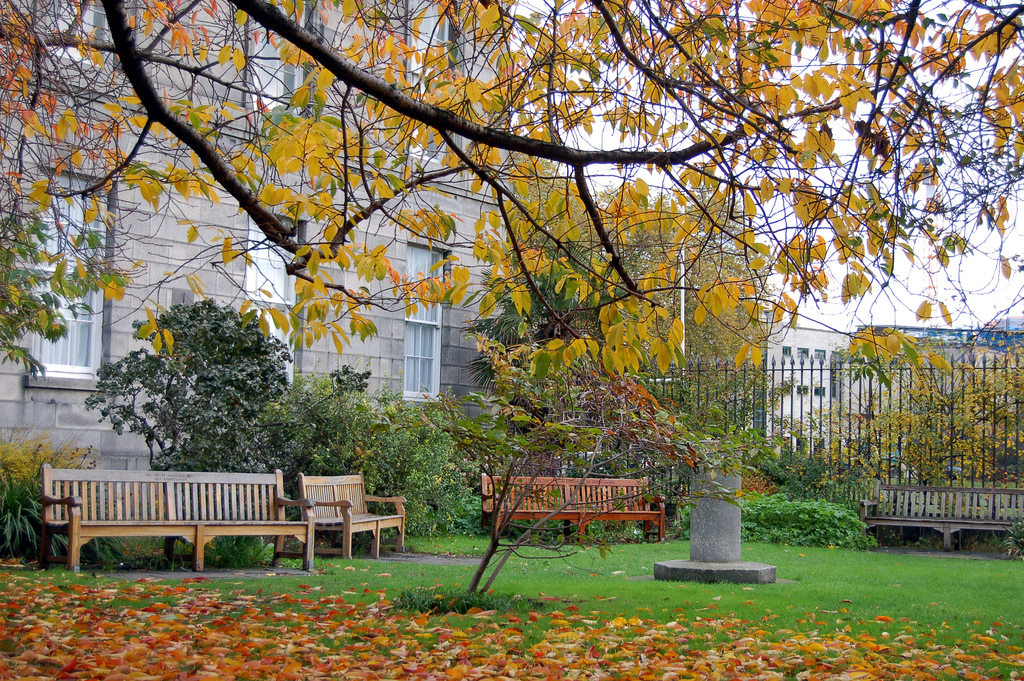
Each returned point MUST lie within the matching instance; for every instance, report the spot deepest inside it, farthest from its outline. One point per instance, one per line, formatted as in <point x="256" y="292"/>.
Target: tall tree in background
<point x="803" y="133"/>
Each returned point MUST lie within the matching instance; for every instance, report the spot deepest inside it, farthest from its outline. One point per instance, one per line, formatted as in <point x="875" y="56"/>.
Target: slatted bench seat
<point x="605" y="499"/>
<point x="194" y="507"/>
<point x="340" y="506"/>
<point x="949" y="509"/>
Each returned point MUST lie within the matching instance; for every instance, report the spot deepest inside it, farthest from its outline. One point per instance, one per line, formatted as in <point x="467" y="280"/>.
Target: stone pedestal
<point x="715" y="541"/>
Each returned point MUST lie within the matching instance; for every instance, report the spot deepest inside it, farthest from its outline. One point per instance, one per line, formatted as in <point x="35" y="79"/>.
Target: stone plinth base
<point x="697" y="571"/>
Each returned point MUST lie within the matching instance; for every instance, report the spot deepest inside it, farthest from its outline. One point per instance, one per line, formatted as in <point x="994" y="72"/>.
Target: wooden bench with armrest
<point x="194" y="507"/>
<point x="340" y="506"/>
<point x="947" y="509"/>
<point x="577" y="501"/>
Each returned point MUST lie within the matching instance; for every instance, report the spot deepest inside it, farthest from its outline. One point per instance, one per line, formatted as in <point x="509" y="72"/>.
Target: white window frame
<point x="426" y="320"/>
<point x="64" y="221"/>
<point x="266" y="276"/>
<point x="273" y="81"/>
<point x="94" y="22"/>
<point x="267" y="282"/>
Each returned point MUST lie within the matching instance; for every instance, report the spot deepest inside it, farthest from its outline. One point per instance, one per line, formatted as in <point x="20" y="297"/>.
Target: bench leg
<point x="45" y="547"/>
<point x="279" y="549"/>
<point x="169" y="548"/>
<point x="74" y="548"/>
<point x="947" y="539"/>
<point x="400" y="541"/>
<point x="309" y="546"/>
<point x="346" y="544"/>
<point x="199" y="549"/>
<point x="375" y="545"/>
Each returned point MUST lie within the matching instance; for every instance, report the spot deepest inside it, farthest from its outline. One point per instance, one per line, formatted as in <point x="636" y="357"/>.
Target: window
<point x="86" y="19"/>
<point x="272" y="79"/>
<point x="266" y="279"/>
<point x="819" y="391"/>
<point x="430" y="33"/>
<point x="77" y="354"/>
<point x="787" y="351"/>
<point x="819" y="356"/>
<point x="422" y="374"/>
<point x="427" y="28"/>
<point x="803" y="354"/>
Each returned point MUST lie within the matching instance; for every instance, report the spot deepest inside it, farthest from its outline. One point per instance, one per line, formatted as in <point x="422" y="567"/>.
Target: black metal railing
<point x="896" y="422"/>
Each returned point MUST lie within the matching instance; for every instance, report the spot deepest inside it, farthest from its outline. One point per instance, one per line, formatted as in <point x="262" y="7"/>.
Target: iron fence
<point x="899" y="423"/>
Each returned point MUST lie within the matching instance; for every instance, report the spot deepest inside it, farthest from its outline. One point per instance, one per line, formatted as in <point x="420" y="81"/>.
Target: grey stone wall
<point x="157" y="239"/>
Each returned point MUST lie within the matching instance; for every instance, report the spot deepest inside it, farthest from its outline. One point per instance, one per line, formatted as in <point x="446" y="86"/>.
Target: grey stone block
<point x="698" y="571"/>
<point x="715" y="523"/>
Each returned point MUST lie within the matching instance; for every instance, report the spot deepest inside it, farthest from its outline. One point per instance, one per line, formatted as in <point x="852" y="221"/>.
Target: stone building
<point x="424" y="354"/>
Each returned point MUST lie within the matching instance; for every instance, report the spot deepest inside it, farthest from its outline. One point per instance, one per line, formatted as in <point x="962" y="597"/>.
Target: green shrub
<point x="197" y="401"/>
<point x="799" y="476"/>
<point x="20" y="513"/>
<point x="777" y="520"/>
<point x="440" y="600"/>
<point x="231" y="553"/>
<point x="1013" y="545"/>
<point x="328" y="425"/>
<point x="22" y="453"/>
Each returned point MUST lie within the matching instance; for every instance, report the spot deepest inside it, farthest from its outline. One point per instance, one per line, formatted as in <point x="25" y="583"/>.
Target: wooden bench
<point x="340" y="505"/>
<point x="949" y="509"/>
<point x="580" y="502"/>
<point x="194" y="507"/>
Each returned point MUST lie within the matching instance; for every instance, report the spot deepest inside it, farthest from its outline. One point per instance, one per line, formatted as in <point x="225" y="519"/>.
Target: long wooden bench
<point x="340" y="505"/>
<point x="578" y="501"/>
<point x="194" y="507"/>
<point x="949" y="509"/>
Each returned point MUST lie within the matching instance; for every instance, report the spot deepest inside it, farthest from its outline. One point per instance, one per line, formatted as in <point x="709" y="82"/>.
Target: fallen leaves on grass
<point x="157" y="632"/>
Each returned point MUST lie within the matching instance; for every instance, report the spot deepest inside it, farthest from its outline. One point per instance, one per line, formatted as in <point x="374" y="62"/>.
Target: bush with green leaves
<point x="1013" y="545"/>
<point x="197" y="393"/>
<point x="22" y="453"/>
<point x="799" y="476"/>
<point x="329" y="425"/>
<point x="777" y="520"/>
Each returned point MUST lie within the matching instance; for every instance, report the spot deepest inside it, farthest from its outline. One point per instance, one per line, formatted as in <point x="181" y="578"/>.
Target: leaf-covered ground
<point x="140" y="631"/>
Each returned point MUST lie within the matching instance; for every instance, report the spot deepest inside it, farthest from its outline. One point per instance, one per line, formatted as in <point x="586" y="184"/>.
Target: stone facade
<point x="55" y="402"/>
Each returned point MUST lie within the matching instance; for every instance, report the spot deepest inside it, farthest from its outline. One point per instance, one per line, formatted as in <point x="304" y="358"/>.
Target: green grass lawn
<point x="947" y="599"/>
<point x="956" y="598"/>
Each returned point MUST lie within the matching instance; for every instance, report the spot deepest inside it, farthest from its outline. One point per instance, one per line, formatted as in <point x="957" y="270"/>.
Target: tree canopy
<point x="822" y="143"/>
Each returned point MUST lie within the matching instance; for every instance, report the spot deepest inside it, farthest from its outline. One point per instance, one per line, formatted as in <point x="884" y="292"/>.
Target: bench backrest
<point x="550" y="493"/>
<point x="140" y="496"/>
<point x="961" y="503"/>
<point x="333" y="488"/>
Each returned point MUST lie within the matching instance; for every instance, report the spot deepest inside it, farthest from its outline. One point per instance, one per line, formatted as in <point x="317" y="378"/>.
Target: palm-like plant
<point x="1014" y="542"/>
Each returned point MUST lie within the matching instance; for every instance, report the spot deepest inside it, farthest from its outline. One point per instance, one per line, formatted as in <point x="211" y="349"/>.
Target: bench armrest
<point x="340" y="503"/>
<point x="73" y="502"/>
<point x="865" y="505"/>
<point x="387" y="500"/>
<point x="397" y="501"/>
<point x="303" y="503"/>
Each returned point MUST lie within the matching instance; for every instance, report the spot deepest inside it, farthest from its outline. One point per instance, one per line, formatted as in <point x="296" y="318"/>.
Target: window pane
<point x="75" y="352"/>
<point x="266" y="278"/>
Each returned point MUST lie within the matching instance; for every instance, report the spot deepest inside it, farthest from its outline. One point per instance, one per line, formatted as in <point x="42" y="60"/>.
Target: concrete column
<point x="715" y="523"/>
